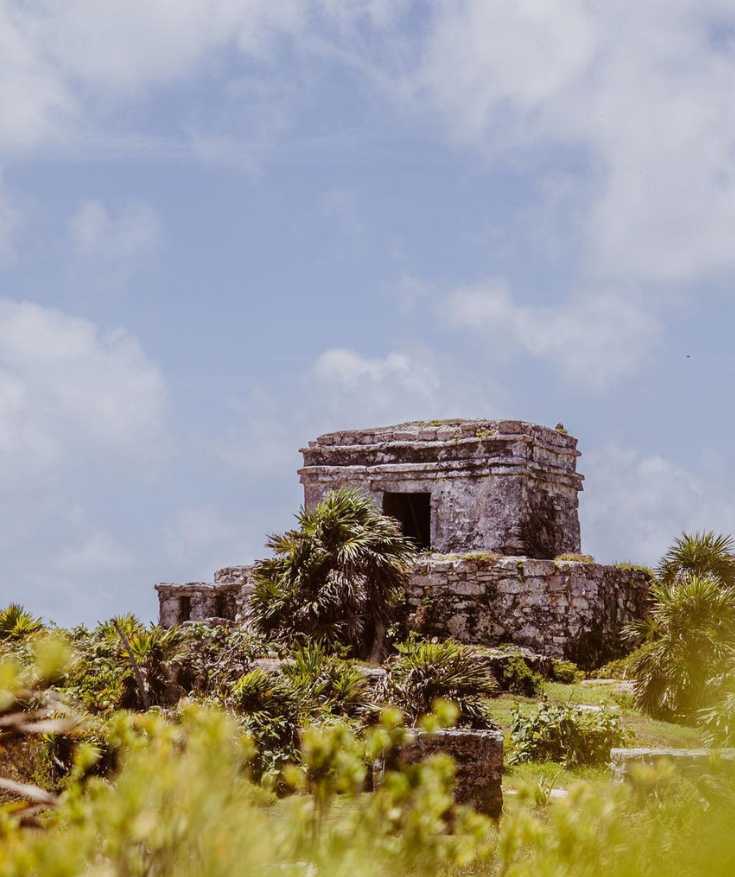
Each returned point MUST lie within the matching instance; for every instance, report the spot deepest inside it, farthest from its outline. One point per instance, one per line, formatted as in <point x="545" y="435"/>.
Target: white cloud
<point x="646" y="91"/>
<point x="97" y="553"/>
<point x="66" y="66"/>
<point x="595" y="339"/>
<point x="124" y="235"/>
<point x="66" y="388"/>
<point x="201" y="538"/>
<point x="341" y="389"/>
<point x="634" y="505"/>
<point x="10" y="222"/>
<point x="376" y="381"/>
<point x="83" y="435"/>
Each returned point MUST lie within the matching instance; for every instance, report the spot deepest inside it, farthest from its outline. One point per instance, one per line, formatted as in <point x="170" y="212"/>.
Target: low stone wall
<point x="692" y="761"/>
<point x="478" y="756"/>
<point x="565" y="609"/>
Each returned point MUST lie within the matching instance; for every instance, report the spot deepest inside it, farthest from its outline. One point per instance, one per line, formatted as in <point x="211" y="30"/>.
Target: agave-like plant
<point x="336" y="578"/>
<point x="706" y="554"/>
<point x="694" y="622"/>
<point x="17" y="623"/>
<point x="425" y="672"/>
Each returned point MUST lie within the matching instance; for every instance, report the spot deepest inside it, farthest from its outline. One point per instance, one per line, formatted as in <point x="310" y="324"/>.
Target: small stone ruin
<point x="493" y="507"/>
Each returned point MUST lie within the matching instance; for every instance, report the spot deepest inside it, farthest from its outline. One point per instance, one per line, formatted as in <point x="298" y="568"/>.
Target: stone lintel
<point x="189" y="589"/>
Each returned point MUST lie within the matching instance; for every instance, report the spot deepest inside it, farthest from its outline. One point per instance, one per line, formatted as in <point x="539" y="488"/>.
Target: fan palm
<point x="707" y="554"/>
<point x="694" y="622"/>
<point x="335" y="578"/>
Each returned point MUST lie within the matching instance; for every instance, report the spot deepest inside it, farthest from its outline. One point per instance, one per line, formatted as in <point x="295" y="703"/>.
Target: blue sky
<point x="227" y="226"/>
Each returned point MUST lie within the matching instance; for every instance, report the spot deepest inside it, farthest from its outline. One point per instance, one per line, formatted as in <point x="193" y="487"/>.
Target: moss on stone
<point x="575" y="558"/>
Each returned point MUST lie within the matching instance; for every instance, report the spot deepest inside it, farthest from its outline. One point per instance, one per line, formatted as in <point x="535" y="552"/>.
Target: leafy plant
<point x="718" y="719"/>
<point x="123" y="663"/>
<point x="209" y="659"/>
<point x="16" y="623"/>
<point x="566" y="672"/>
<point x="693" y="621"/>
<point x="326" y="684"/>
<point x="564" y="733"/>
<point x="425" y="672"/>
<point x="336" y="578"/>
<point x="704" y="555"/>
<point x="270" y="710"/>
<point x="514" y="675"/>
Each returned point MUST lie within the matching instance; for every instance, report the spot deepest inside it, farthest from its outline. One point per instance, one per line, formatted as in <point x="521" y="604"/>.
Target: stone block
<point x="478" y="756"/>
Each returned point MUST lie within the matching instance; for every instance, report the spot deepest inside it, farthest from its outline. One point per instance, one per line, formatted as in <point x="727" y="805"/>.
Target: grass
<point x="644" y="730"/>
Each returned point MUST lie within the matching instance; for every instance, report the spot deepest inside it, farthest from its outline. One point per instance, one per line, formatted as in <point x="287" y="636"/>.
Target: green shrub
<point x="620" y="668"/>
<point x="566" y="672"/>
<point x="269" y="707"/>
<point x="514" y="675"/>
<point x="560" y="732"/>
<point x="123" y="663"/>
<point x="704" y="555"/>
<point x="425" y="672"/>
<point x="17" y="624"/>
<point x="211" y="658"/>
<point x="692" y="624"/>
<point x="325" y="684"/>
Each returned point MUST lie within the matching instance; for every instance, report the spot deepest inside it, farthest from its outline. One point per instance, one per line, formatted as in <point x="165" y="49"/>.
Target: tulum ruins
<point x="494" y="508"/>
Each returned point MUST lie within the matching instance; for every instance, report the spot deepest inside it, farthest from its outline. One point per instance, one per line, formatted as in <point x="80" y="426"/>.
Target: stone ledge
<point x="623" y="761"/>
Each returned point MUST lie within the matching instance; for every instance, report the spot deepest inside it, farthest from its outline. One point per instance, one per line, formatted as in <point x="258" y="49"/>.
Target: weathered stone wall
<point x="506" y="486"/>
<point x="559" y="608"/>
<point x="478" y="756"/>
<point x="227" y="599"/>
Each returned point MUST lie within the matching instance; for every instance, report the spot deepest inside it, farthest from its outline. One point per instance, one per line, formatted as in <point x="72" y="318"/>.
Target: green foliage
<point x="314" y="687"/>
<point x="17" y="624"/>
<point x="704" y="555"/>
<point x="575" y="558"/>
<point x="181" y="802"/>
<point x="210" y="659"/>
<point x="514" y="675"/>
<point x="104" y="674"/>
<point x="718" y="719"/>
<point x="336" y="578"/>
<point x="564" y="733"/>
<point x="693" y="623"/>
<point x="424" y="672"/>
<point x="270" y="709"/>
<point x="623" y="668"/>
<point x="566" y="672"/>
<point x="326" y="684"/>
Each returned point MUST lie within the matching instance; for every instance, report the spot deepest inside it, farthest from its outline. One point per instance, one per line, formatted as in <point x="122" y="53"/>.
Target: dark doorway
<point x="184" y="609"/>
<point x="413" y="510"/>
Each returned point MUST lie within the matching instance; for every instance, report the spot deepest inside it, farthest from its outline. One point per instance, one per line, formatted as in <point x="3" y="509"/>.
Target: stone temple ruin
<point x="493" y="505"/>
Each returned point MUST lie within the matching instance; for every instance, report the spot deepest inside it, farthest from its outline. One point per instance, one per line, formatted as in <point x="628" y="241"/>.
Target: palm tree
<point x="706" y="554"/>
<point x="336" y="577"/>
<point x="693" y="621"/>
